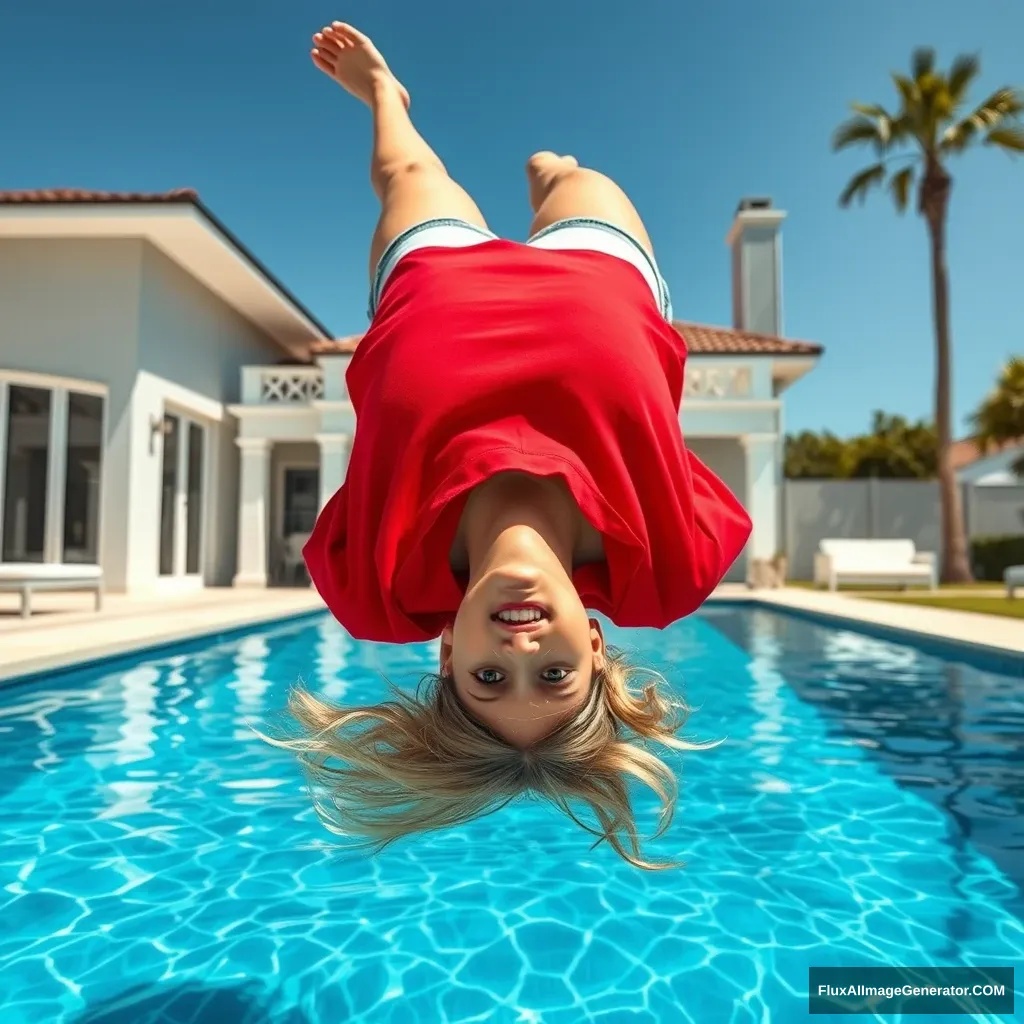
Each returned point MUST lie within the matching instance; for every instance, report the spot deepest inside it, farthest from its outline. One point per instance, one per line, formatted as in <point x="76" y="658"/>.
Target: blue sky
<point x="688" y="105"/>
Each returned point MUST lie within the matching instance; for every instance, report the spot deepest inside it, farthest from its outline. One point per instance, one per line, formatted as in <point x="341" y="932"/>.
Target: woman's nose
<point x="524" y="642"/>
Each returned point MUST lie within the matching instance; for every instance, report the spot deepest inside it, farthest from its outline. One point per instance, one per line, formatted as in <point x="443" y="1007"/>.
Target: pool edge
<point x="180" y="643"/>
<point x="947" y="646"/>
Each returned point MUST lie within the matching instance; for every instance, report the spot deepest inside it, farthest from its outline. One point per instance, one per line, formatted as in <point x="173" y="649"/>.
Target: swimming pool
<point x="160" y="864"/>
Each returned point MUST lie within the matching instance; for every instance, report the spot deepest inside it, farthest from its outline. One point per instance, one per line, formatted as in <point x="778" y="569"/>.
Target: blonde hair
<point x="420" y="763"/>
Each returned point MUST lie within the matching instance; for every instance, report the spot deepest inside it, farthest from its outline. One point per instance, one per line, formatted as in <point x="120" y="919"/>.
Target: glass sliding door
<point x="301" y="500"/>
<point x="182" y="498"/>
<point x="51" y="459"/>
<point x="82" y="478"/>
<point x="26" y="468"/>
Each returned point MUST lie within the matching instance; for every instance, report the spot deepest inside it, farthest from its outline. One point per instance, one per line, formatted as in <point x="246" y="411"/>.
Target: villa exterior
<point x="170" y="411"/>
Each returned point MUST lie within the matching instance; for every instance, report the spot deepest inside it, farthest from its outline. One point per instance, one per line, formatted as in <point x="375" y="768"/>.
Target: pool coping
<point x="1003" y="658"/>
<point x="183" y="642"/>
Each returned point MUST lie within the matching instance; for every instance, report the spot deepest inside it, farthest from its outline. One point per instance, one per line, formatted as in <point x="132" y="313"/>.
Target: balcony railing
<point x="301" y="385"/>
<point x="282" y="385"/>
<point x="717" y="382"/>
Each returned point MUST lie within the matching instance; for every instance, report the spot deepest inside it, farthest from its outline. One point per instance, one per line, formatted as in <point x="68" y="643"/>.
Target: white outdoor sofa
<point x="1013" y="577"/>
<point x="28" y="577"/>
<point x="881" y="562"/>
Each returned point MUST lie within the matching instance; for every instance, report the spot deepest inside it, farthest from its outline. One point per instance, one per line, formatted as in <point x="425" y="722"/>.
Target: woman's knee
<point x="582" y="192"/>
<point x="386" y="176"/>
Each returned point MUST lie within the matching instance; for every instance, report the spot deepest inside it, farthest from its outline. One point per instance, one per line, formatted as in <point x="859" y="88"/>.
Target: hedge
<point x="991" y="555"/>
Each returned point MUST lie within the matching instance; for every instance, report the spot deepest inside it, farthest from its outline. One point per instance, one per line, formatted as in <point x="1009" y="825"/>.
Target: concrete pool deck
<point x="994" y="632"/>
<point x="66" y="630"/>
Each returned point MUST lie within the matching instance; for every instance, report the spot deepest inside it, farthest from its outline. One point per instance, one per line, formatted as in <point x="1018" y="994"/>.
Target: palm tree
<point x="999" y="420"/>
<point x="914" y="146"/>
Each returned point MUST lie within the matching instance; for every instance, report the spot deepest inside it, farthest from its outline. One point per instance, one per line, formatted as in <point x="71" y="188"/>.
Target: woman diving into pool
<point x="517" y="459"/>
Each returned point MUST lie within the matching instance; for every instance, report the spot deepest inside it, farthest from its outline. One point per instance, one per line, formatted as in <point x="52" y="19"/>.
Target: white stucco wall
<point x="120" y="313"/>
<point x="70" y="308"/>
<point x="727" y="459"/>
<point x="192" y="346"/>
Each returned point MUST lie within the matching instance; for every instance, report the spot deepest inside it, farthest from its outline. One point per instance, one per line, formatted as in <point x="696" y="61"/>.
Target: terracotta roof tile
<point x="704" y="340"/>
<point x="335" y="346"/>
<point x="701" y="340"/>
<point x="38" y="196"/>
<point x="964" y="453"/>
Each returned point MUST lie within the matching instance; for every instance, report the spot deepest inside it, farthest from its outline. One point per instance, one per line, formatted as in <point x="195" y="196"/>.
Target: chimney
<point x="756" y="242"/>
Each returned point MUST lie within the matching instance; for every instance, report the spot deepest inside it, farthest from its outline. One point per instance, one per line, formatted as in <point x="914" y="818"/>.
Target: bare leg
<point x="407" y="175"/>
<point x="560" y="188"/>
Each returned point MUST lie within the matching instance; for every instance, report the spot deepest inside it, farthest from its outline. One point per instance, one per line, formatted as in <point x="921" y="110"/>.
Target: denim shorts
<point x="587" y="233"/>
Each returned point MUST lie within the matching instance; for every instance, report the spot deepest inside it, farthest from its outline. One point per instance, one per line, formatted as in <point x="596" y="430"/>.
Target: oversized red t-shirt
<point x="506" y="357"/>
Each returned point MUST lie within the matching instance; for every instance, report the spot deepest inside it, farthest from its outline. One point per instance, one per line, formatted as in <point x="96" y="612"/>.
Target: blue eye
<point x="488" y="676"/>
<point x="565" y="673"/>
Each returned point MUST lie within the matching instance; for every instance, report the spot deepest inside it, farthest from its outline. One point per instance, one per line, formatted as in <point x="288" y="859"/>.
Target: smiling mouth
<point x="521" y="618"/>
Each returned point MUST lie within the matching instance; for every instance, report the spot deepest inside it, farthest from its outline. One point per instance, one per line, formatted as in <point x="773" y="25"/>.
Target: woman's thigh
<point x="418" y="193"/>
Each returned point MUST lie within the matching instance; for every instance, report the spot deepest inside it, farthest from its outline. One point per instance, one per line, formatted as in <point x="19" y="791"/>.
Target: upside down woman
<point x="517" y="460"/>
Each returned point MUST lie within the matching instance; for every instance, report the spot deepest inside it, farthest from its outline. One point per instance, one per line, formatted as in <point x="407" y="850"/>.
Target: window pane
<point x="82" y="480"/>
<point x="28" y="455"/>
<point x="193" y="535"/>
<point x="169" y="495"/>
<point x="301" y="500"/>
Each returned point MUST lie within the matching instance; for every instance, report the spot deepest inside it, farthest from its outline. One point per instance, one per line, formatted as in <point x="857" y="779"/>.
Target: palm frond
<point x="957" y="137"/>
<point x="899" y="185"/>
<point x="1003" y="105"/>
<point x="923" y="62"/>
<point x="909" y="92"/>
<point x="862" y="183"/>
<point x="964" y="70"/>
<point x="858" y="130"/>
<point x="1008" y="137"/>
<point x="872" y="110"/>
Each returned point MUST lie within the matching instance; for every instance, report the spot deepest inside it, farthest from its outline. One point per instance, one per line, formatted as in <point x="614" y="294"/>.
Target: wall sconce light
<point x="157" y="425"/>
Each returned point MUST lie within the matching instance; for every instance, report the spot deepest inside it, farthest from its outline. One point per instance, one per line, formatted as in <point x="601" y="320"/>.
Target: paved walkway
<point x="65" y="629"/>
<point x="995" y="631"/>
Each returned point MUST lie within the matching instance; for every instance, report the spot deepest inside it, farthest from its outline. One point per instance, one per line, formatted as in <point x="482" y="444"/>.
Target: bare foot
<point x="349" y="57"/>
<point x="543" y="170"/>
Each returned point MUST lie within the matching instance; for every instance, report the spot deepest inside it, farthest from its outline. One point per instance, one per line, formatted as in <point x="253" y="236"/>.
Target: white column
<point x="253" y="509"/>
<point x="764" y="472"/>
<point x="334" y="452"/>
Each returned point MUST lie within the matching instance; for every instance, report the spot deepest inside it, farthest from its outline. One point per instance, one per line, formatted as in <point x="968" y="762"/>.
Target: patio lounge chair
<point x="26" y="577"/>
<point x="881" y="562"/>
<point x="1013" y="577"/>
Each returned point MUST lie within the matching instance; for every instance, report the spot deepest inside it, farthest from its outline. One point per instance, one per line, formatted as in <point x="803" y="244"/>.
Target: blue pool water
<point x="160" y="864"/>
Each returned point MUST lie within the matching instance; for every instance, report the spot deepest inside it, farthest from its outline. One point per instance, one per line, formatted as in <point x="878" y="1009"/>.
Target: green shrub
<point x="991" y="555"/>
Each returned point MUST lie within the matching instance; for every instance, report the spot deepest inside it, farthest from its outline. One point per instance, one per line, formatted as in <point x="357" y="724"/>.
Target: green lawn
<point x="1005" y="606"/>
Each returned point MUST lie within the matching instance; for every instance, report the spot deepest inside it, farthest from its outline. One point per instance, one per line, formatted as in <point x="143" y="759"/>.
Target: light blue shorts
<point x="587" y="233"/>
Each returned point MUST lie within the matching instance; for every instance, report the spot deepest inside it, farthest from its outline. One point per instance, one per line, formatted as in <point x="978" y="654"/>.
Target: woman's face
<point x="522" y="651"/>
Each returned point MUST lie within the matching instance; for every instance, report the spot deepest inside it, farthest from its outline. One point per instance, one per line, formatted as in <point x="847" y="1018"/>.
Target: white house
<point x="169" y="410"/>
<point x="993" y="468"/>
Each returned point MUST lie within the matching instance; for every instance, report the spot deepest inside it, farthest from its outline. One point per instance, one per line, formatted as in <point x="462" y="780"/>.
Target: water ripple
<point x="158" y="863"/>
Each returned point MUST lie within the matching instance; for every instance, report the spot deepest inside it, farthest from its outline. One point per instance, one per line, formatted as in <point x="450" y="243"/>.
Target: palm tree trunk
<point x="956" y="565"/>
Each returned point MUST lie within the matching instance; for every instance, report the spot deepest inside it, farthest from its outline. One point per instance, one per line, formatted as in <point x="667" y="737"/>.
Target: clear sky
<point x="688" y="105"/>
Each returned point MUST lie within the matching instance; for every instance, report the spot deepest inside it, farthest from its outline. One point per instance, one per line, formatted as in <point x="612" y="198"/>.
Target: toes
<point x="323" y="62"/>
<point x="349" y="33"/>
<point x="336" y="41"/>
<point x="325" y="44"/>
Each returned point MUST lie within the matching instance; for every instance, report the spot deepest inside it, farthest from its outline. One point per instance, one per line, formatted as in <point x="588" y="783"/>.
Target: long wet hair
<point x="421" y="763"/>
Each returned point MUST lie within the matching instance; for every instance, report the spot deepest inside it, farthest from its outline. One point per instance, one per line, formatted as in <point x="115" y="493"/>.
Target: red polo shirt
<point x="505" y="357"/>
